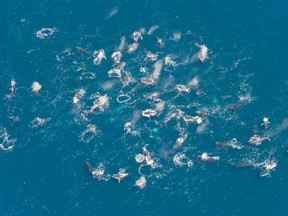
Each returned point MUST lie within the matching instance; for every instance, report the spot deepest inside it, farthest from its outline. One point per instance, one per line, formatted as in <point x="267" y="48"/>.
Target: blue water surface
<point x="45" y="174"/>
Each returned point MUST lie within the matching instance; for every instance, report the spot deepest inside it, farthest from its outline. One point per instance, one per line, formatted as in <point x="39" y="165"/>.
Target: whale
<point x="89" y="167"/>
<point x="83" y="51"/>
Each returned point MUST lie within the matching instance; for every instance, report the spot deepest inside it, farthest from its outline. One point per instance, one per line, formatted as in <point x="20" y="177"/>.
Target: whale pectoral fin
<point x="264" y="173"/>
<point x="89" y="167"/>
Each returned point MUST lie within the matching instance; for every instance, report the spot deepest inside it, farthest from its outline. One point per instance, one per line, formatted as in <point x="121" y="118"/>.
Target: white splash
<point x="61" y="56"/>
<point x="45" y="32"/>
<point x="182" y="88"/>
<point x="180" y="159"/>
<point x="39" y="122"/>
<point x="149" y="113"/>
<point x="6" y="144"/>
<point x="88" y="134"/>
<point x="98" y="56"/>
<point x="36" y="87"/>
<point x="80" y="94"/>
<point x="206" y="157"/>
<point x="129" y="129"/>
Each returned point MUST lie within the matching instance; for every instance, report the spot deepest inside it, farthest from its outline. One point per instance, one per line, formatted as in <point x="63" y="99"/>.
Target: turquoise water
<point x="44" y="173"/>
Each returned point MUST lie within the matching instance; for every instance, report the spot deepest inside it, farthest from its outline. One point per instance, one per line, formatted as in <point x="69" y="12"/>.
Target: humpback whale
<point x="141" y="182"/>
<point x="120" y="175"/>
<point x="257" y="140"/>
<point x="96" y="173"/>
<point x="83" y="51"/>
<point x="160" y="42"/>
<point x="265" y="122"/>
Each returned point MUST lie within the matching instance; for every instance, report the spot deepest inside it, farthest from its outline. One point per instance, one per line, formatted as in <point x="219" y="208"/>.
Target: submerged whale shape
<point x="83" y="51"/>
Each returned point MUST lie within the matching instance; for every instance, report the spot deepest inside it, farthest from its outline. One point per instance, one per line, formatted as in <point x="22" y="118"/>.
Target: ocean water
<point x="42" y="167"/>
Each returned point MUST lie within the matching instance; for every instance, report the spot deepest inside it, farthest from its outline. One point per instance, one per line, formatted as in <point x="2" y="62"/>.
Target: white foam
<point x="36" y="87"/>
<point x="45" y="32"/>
<point x="6" y="144"/>
<point x="62" y="55"/>
<point x="39" y="122"/>
<point x="180" y="158"/>
<point x="88" y="134"/>
<point x="98" y="56"/>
